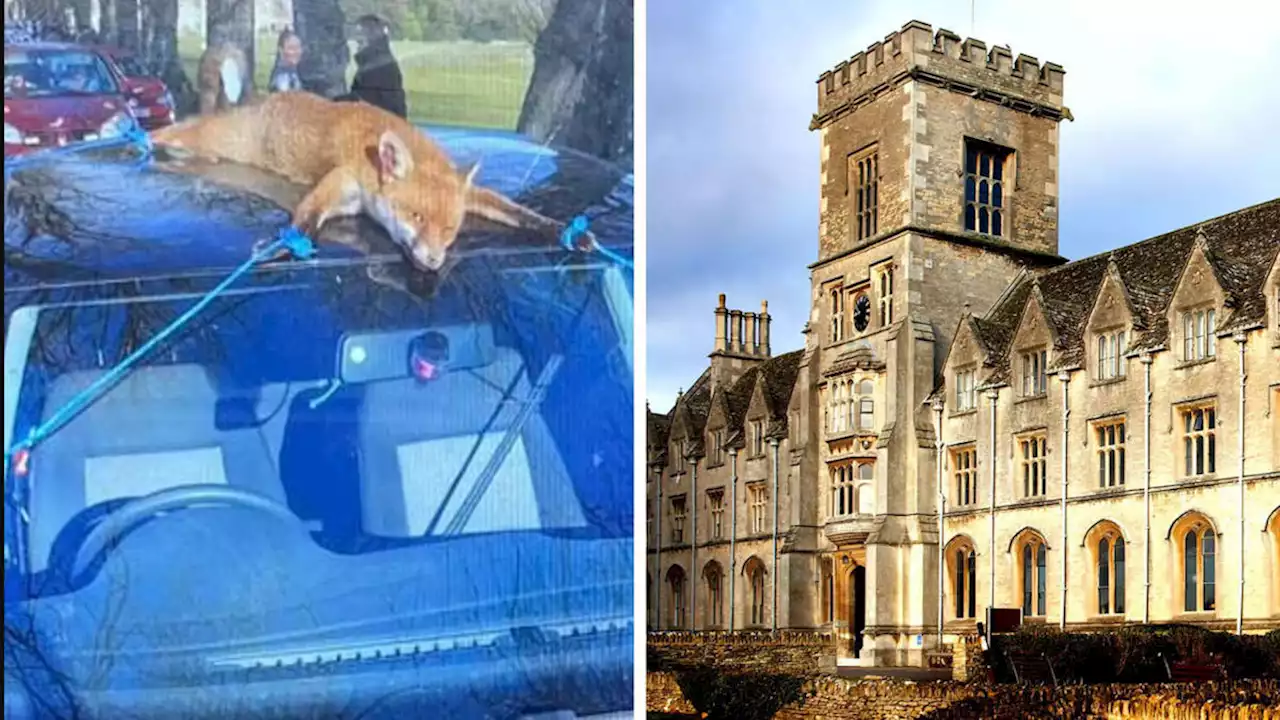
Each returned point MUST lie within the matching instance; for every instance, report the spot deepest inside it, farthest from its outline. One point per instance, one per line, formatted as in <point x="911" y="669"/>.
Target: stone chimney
<point x="742" y="340"/>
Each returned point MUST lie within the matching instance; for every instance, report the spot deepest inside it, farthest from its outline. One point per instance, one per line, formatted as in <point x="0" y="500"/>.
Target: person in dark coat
<point x="378" y="80"/>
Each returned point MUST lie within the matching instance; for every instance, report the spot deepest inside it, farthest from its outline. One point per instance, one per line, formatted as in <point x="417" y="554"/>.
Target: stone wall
<point x="967" y="661"/>
<point x="789" y="652"/>
<point x="831" y="698"/>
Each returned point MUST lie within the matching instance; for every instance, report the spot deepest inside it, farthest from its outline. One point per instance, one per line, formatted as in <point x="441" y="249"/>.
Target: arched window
<point x="866" y="406"/>
<point x="963" y="569"/>
<point x="1197" y="549"/>
<point x="1033" y="576"/>
<point x="713" y="574"/>
<point x="753" y="568"/>
<point x="828" y="592"/>
<point x="866" y="489"/>
<point x="1273" y="527"/>
<point x="1107" y="547"/>
<point x="675" y="579"/>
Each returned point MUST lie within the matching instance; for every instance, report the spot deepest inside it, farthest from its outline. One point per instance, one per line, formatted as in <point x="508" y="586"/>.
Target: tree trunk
<point x="162" y="52"/>
<point x="230" y="22"/>
<point x="107" y="22"/>
<point x="83" y="13"/>
<point x="322" y="27"/>
<point x="127" y="25"/>
<point x="581" y="95"/>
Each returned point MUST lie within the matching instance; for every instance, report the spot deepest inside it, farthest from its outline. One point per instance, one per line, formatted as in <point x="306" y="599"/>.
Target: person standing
<point x="284" y="75"/>
<point x="378" y="80"/>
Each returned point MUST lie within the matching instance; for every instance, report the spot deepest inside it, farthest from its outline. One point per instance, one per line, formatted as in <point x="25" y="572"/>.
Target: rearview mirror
<point x="425" y="353"/>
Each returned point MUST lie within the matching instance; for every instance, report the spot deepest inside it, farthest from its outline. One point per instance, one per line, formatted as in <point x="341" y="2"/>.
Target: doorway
<point x="858" y="606"/>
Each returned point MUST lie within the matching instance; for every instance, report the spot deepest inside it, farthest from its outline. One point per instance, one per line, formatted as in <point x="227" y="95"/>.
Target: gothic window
<point x="866" y="492"/>
<point x="757" y="498"/>
<point x="885" y="276"/>
<point x="716" y="451"/>
<point x="1035" y="378"/>
<point x="715" y="503"/>
<point x="753" y="568"/>
<point x="1199" y="440"/>
<point x="861" y="312"/>
<point x="1110" y="441"/>
<point x="1033" y="449"/>
<point x="714" y="576"/>
<point x="837" y="314"/>
<point x="675" y="579"/>
<point x="757" y="437"/>
<point x="843" y="490"/>
<point x="1199" y="330"/>
<point x="964" y="468"/>
<point x="678" y="510"/>
<point x="1111" y="350"/>
<point x="1109" y="550"/>
<point x="966" y="395"/>
<point x="866" y="184"/>
<point x="866" y="406"/>
<point x="1199" y="564"/>
<point x="964" y="579"/>
<point x="985" y="202"/>
<point x="1033" y="576"/>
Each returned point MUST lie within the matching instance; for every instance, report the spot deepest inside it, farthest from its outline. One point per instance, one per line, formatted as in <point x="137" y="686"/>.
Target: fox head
<point x="421" y="209"/>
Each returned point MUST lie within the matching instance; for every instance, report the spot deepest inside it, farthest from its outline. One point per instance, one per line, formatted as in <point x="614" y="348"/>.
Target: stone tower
<point x="939" y="167"/>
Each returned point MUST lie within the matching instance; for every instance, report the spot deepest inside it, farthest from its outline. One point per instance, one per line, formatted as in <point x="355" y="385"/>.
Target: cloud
<point x="1173" y="105"/>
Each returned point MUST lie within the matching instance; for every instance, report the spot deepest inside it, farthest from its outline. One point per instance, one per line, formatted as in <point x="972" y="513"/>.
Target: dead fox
<point x="224" y="78"/>
<point x="355" y="159"/>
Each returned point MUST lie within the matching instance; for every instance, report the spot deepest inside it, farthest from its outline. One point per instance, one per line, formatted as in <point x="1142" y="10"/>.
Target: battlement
<point x="941" y="58"/>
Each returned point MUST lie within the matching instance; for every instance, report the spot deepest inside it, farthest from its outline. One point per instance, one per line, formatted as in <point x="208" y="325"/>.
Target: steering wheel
<point x="133" y="513"/>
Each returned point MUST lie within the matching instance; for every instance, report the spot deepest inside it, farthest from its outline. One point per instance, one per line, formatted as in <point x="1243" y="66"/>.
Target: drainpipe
<point x="942" y="499"/>
<point x="694" y="575"/>
<point x="1065" y="378"/>
<point x="658" y="585"/>
<point x="1240" y="341"/>
<point x="1146" y="492"/>
<point x="733" y="532"/>
<point x="774" y="442"/>
<point x="992" y="395"/>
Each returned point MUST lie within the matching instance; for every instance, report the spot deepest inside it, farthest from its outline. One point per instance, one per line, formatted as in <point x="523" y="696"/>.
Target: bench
<point x="1185" y="671"/>
<point x="1032" y="669"/>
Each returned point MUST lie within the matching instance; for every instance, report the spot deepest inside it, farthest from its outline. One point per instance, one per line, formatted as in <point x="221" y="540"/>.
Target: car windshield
<point x="339" y="462"/>
<point x="44" y="73"/>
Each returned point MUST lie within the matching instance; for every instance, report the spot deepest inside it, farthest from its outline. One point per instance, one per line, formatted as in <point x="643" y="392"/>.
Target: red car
<point x="149" y="97"/>
<point x="57" y="93"/>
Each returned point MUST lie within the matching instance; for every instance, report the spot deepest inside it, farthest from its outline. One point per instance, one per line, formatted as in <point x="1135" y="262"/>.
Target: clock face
<point x="861" y="312"/>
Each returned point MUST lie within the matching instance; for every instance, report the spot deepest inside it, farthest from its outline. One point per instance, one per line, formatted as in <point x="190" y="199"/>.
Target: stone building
<point x="1102" y="436"/>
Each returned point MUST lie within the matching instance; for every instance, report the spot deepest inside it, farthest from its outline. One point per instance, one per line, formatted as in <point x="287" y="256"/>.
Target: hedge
<point x="1134" y="654"/>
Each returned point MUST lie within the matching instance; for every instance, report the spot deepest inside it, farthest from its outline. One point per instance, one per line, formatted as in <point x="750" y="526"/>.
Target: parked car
<point x="342" y="489"/>
<point x="148" y="95"/>
<point x="56" y="94"/>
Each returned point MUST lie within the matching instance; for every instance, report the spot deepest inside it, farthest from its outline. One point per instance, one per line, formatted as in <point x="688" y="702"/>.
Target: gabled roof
<point x="775" y="378"/>
<point x="1241" y="248"/>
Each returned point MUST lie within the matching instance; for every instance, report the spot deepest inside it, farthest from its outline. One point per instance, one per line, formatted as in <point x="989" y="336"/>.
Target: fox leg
<point x="494" y="207"/>
<point x="336" y="195"/>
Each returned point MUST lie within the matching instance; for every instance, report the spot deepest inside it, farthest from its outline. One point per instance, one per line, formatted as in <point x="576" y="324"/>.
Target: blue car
<point x="327" y="486"/>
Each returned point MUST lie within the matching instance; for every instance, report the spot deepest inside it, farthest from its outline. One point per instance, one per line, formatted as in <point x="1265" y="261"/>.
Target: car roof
<point x="85" y="217"/>
<point x="46" y="45"/>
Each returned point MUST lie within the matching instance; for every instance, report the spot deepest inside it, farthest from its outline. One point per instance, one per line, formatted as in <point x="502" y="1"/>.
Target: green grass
<point x="447" y="83"/>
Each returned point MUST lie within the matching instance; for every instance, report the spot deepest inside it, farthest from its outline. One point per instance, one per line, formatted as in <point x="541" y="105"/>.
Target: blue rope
<point x="577" y="227"/>
<point x="291" y="239"/>
<point x="134" y="136"/>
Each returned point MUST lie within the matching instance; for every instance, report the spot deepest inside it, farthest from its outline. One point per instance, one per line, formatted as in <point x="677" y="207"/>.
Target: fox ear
<point x="469" y="177"/>
<point x="394" y="160"/>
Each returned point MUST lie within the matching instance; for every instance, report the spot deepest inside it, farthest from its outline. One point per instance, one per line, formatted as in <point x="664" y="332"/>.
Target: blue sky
<point x="1175" y="113"/>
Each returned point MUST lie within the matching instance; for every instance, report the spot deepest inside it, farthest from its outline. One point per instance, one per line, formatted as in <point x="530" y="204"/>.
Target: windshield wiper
<point x="500" y="453"/>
